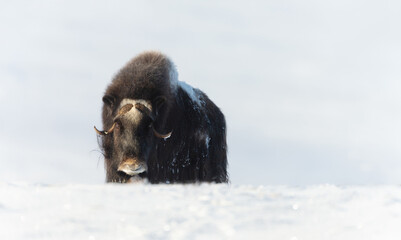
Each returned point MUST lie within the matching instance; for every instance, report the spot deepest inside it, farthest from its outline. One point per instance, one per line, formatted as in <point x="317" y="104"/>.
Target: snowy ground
<point x="310" y="90"/>
<point x="142" y="211"/>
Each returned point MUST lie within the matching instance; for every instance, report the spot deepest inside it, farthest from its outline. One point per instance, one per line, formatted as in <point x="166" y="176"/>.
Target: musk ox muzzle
<point x="131" y="166"/>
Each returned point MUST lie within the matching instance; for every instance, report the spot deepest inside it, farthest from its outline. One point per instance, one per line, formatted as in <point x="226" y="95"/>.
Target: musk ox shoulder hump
<point x="149" y="70"/>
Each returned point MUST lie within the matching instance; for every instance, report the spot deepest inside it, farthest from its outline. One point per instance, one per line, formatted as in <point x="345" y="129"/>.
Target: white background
<point x="310" y="89"/>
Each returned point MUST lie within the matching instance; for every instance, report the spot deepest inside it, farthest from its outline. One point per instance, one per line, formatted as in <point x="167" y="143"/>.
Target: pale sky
<point x="310" y="90"/>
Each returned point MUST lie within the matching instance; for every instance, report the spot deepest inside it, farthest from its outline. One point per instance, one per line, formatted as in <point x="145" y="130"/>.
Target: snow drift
<point x="207" y="211"/>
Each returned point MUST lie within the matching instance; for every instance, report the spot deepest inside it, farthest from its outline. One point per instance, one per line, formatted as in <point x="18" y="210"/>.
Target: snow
<point x="206" y="211"/>
<point x="207" y="140"/>
<point x="173" y="76"/>
<point x="190" y="91"/>
<point x="310" y="91"/>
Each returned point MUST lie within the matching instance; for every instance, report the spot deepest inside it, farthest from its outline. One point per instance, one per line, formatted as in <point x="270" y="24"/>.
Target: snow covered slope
<point x="207" y="211"/>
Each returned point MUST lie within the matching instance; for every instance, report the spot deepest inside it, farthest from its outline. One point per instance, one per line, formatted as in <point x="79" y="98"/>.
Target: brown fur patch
<point x="129" y="161"/>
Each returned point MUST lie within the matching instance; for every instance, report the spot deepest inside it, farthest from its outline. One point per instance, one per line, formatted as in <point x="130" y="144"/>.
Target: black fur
<point x="196" y="150"/>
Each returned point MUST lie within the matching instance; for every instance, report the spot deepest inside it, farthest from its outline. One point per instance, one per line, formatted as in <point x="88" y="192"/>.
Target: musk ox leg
<point x="216" y="166"/>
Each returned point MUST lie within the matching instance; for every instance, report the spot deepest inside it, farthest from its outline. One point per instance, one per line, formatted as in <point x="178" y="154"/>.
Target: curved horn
<point x="123" y="110"/>
<point x="98" y="131"/>
<point x="105" y="132"/>
<point x="145" y="110"/>
<point x="159" y="135"/>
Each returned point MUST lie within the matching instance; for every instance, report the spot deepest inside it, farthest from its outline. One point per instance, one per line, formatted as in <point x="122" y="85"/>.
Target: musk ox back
<point x="159" y="128"/>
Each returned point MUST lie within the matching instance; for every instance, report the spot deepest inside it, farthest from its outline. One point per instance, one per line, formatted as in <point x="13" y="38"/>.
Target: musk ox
<point x="159" y="128"/>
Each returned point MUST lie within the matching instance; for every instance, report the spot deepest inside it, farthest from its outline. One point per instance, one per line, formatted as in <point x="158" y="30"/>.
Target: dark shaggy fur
<point x="196" y="150"/>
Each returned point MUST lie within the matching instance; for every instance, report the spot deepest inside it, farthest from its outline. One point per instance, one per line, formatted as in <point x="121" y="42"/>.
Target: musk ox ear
<point x="159" y="102"/>
<point x="109" y="100"/>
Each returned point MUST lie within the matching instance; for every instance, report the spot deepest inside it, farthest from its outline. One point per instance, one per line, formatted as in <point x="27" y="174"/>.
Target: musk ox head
<point x="134" y="111"/>
<point x="133" y="135"/>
